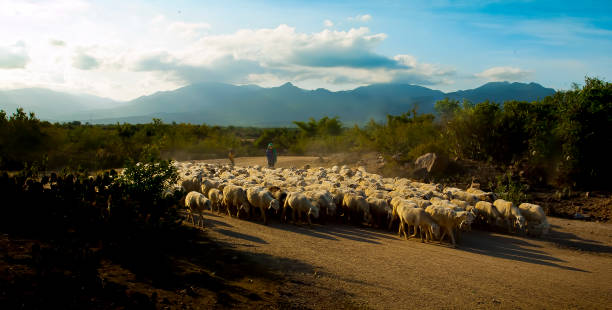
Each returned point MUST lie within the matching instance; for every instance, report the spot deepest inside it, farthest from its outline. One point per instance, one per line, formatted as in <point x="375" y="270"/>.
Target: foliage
<point x="509" y="187"/>
<point x="557" y="140"/>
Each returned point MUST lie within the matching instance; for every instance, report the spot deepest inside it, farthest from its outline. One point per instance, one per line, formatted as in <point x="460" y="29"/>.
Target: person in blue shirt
<point x="271" y="155"/>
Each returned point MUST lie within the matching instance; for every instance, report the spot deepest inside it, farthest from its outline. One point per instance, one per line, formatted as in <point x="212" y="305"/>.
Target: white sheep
<point x="535" y="218"/>
<point x="488" y="213"/>
<point x="417" y="217"/>
<point x="482" y="195"/>
<point x="234" y="197"/>
<point x="381" y="211"/>
<point x="262" y="199"/>
<point x="216" y="198"/>
<point x="196" y="203"/>
<point x="299" y="203"/>
<point x="357" y="208"/>
<point x="191" y="184"/>
<point x="324" y="200"/>
<point x="510" y="213"/>
<point x="446" y="218"/>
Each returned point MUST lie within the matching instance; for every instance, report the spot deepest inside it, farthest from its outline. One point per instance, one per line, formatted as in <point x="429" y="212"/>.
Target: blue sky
<point x="125" y="49"/>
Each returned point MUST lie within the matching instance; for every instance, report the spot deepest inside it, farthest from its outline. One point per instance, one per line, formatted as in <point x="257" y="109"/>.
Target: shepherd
<point x="231" y="157"/>
<point x="271" y="155"/>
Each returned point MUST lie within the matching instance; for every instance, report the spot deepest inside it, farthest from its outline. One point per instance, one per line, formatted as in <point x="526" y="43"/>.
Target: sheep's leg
<point x="293" y="215"/>
<point x="415" y="230"/>
<point x="452" y="237"/>
<point x="263" y="215"/>
<point x="391" y="221"/>
<point x="442" y="237"/>
<point x="399" y="231"/>
<point x="308" y="218"/>
<point x="421" y="232"/>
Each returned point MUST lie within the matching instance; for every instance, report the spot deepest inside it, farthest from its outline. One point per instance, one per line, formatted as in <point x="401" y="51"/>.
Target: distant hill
<point x="51" y="105"/>
<point x="249" y="105"/>
<point x="503" y="91"/>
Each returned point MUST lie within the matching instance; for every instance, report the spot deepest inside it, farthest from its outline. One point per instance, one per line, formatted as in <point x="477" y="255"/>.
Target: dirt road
<point x="340" y="266"/>
<point x="282" y="162"/>
<point x="333" y="265"/>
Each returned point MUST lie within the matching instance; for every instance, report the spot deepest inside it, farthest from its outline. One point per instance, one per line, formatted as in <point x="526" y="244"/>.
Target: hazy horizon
<point x="123" y="50"/>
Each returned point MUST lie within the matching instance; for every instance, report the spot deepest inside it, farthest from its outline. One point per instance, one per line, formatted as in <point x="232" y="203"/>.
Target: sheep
<point x="465" y="196"/>
<point x="324" y="200"/>
<point x="482" y="195"/>
<point x="216" y="197"/>
<point x="536" y="221"/>
<point x="488" y="212"/>
<point x="196" y="203"/>
<point x="380" y="210"/>
<point x="397" y="203"/>
<point x="207" y="185"/>
<point x="446" y="218"/>
<point x="465" y="220"/>
<point x="299" y="203"/>
<point x="460" y="203"/>
<point x="262" y="199"/>
<point x="191" y="184"/>
<point x="510" y="213"/>
<point x="235" y="197"/>
<point x="417" y="217"/>
<point x="357" y="208"/>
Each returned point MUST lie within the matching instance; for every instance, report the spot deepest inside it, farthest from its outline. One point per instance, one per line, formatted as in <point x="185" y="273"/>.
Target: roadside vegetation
<point x="555" y="141"/>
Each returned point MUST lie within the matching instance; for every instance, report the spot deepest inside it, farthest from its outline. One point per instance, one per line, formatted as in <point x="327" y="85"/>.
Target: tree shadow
<point x="333" y="232"/>
<point x="509" y="248"/>
<point x="238" y="235"/>
<point x="574" y="242"/>
<point x="194" y="264"/>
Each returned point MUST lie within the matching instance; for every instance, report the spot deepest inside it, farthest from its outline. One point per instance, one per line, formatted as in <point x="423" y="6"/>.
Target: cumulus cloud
<point x="504" y="74"/>
<point x="333" y="58"/>
<point x="14" y="56"/>
<point x="84" y="61"/>
<point x="361" y="18"/>
<point x="328" y="23"/>
<point x="225" y="69"/>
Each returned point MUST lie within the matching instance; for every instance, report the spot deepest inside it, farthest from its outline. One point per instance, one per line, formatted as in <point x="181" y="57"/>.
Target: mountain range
<point x="249" y="105"/>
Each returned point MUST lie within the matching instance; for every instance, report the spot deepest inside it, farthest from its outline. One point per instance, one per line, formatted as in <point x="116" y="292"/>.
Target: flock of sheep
<point x="351" y="195"/>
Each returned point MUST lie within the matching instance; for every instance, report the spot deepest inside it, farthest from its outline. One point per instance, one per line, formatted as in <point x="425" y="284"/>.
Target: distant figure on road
<point x="231" y="157"/>
<point x="271" y="155"/>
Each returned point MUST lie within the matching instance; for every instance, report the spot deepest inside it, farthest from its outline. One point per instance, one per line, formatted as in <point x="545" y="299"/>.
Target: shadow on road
<point x="238" y="235"/>
<point x="334" y="232"/>
<point x="572" y="241"/>
<point x="509" y="247"/>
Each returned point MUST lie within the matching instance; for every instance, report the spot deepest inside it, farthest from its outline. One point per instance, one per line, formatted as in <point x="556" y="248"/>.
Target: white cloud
<point x="189" y="30"/>
<point x="328" y="23"/>
<point x="58" y="43"/>
<point x="14" y="56"/>
<point x="361" y="18"/>
<point x="504" y="74"/>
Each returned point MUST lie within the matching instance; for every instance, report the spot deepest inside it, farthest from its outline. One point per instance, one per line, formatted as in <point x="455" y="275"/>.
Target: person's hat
<point x="269" y="144"/>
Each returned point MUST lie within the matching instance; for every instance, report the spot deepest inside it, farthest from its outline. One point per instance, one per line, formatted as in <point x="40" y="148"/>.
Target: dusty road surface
<point x="340" y="266"/>
<point x="282" y="161"/>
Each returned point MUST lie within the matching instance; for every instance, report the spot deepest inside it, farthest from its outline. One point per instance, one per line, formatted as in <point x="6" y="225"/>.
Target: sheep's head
<point x="367" y="217"/>
<point x="274" y="205"/>
<point x="520" y="221"/>
<point x="331" y="209"/>
<point x="314" y="212"/>
<point x="435" y="230"/>
<point x="244" y="208"/>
